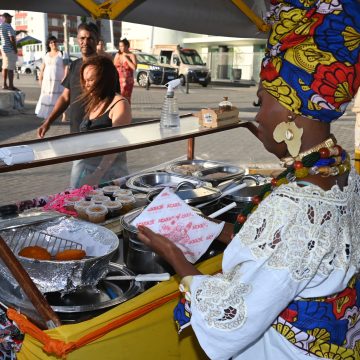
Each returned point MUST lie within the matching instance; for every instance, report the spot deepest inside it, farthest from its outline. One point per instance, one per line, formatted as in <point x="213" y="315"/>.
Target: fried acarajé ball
<point x="70" y="254"/>
<point x="35" y="252"/>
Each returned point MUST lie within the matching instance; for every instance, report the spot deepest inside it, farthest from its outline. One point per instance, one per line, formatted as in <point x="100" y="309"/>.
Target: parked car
<point x="28" y="67"/>
<point x="150" y="71"/>
<point x="188" y="62"/>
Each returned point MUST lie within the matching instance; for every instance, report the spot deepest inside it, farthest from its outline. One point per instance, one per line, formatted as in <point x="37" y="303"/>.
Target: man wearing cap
<point x="8" y="52"/>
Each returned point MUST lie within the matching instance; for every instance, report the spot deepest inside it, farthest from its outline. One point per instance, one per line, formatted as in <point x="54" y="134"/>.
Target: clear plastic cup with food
<point x="121" y="192"/>
<point x="128" y="203"/>
<point x="69" y="202"/>
<point x="114" y="208"/>
<point x="92" y="193"/>
<point x="99" y="199"/>
<point x="109" y="190"/>
<point x="96" y="213"/>
<point x="80" y="207"/>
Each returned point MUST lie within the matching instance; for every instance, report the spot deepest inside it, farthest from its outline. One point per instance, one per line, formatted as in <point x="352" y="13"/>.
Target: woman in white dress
<point x="53" y="70"/>
<point x="289" y="287"/>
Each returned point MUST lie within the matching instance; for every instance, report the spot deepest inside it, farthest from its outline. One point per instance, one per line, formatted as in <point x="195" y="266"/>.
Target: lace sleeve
<point x="295" y="237"/>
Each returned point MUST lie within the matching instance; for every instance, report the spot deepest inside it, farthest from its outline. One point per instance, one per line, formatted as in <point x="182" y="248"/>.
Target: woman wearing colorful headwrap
<point x="288" y="288"/>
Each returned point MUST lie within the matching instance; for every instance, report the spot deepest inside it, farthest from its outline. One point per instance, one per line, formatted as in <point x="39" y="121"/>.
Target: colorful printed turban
<point x="312" y="62"/>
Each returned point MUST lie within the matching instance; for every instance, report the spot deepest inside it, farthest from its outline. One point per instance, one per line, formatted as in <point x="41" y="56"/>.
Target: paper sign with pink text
<point x="171" y="217"/>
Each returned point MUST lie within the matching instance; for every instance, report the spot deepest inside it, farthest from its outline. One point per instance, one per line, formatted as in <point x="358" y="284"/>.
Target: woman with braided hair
<point x="288" y="287"/>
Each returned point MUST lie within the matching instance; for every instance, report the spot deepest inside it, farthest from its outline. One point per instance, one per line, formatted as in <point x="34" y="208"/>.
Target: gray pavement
<point x="236" y="146"/>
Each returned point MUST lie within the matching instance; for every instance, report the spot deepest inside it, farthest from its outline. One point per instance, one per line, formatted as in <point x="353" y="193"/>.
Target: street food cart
<point x="142" y="326"/>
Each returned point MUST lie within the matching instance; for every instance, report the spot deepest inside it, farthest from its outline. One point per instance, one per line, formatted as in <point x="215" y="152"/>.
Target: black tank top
<point x="101" y="122"/>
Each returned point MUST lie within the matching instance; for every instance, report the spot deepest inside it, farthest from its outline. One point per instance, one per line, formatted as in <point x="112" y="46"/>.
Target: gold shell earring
<point x="288" y="131"/>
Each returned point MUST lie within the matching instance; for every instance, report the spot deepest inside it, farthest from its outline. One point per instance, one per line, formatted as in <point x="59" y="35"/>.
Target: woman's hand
<point x="167" y="250"/>
<point x="160" y="244"/>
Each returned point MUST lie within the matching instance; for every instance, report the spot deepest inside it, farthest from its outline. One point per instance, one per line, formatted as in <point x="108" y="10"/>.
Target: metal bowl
<point x="189" y="167"/>
<point x="66" y="276"/>
<point x="155" y="180"/>
<point x="220" y="173"/>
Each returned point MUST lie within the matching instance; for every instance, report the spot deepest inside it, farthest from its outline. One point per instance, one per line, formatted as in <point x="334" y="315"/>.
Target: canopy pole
<point x="260" y="23"/>
<point x="109" y="9"/>
<point x="356" y="110"/>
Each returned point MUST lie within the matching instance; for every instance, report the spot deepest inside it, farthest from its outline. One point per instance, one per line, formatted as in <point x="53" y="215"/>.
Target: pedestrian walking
<point x="52" y="72"/>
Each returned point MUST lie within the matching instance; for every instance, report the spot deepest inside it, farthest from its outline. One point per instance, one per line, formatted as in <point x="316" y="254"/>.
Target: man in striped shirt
<point x="8" y="52"/>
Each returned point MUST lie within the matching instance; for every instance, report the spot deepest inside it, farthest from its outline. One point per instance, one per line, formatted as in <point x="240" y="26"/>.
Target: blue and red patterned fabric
<point x="312" y="62"/>
<point x="327" y="327"/>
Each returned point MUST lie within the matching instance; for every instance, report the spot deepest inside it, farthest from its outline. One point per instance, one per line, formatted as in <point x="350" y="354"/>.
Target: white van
<point x="188" y="61"/>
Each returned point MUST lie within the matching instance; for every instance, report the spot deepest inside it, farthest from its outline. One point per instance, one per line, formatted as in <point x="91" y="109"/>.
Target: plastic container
<point x="121" y="192"/>
<point x="169" y="118"/>
<point x="114" y="208"/>
<point x="141" y="199"/>
<point x="80" y="207"/>
<point x="109" y="190"/>
<point x="69" y="203"/>
<point x="100" y="199"/>
<point x="92" y="193"/>
<point x="128" y="203"/>
<point x="96" y="213"/>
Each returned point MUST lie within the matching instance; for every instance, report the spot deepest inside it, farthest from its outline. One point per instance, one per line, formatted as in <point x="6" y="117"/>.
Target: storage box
<point x="213" y="117"/>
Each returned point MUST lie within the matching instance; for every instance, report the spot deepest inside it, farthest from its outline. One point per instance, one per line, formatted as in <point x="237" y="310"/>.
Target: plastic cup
<point x="80" y="207"/>
<point x="109" y="190"/>
<point x="121" y="192"/>
<point x="128" y="203"/>
<point x="114" y="208"/>
<point x="141" y="199"/>
<point x="99" y="199"/>
<point x="92" y="193"/>
<point x="96" y="213"/>
<point x="69" y="202"/>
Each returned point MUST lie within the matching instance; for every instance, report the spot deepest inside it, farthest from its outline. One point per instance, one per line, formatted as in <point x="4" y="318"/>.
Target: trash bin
<point x="236" y="73"/>
<point x="222" y="71"/>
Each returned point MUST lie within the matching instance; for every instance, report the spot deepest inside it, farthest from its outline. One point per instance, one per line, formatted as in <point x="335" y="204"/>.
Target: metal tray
<point x="50" y="275"/>
<point x="188" y="167"/>
<point x="81" y="304"/>
<point x="220" y="173"/>
<point x="154" y="180"/>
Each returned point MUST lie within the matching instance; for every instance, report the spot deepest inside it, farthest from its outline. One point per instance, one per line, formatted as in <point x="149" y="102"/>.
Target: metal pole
<point x="187" y="83"/>
<point x="66" y="36"/>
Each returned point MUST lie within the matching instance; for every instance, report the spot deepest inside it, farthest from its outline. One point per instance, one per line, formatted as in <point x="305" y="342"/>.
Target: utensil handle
<point x="153" y="277"/>
<point x="222" y="210"/>
<point x="33" y="293"/>
<point x="227" y="192"/>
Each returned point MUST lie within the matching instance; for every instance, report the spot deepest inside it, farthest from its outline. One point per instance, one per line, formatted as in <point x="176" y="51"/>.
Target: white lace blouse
<point x="301" y="242"/>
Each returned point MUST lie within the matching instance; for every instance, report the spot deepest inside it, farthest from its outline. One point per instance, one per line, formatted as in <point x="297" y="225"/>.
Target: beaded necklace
<point x="325" y="161"/>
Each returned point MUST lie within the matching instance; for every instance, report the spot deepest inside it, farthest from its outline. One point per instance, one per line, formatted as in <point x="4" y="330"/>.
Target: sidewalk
<point x="237" y="146"/>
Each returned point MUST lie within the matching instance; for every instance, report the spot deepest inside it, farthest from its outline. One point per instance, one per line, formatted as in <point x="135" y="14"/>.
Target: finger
<point x="146" y="230"/>
<point x="143" y="238"/>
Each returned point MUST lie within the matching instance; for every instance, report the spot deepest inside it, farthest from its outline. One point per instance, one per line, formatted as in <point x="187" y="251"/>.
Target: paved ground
<point x="235" y="146"/>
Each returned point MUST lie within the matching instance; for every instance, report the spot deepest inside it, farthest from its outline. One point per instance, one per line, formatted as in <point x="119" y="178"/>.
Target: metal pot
<point x="139" y="257"/>
<point x="255" y="184"/>
<point x="242" y="197"/>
